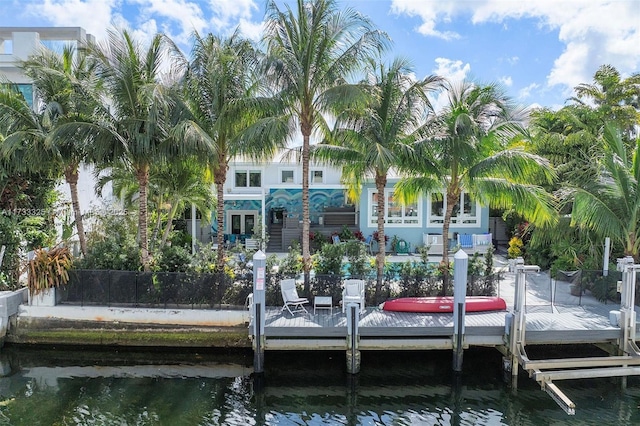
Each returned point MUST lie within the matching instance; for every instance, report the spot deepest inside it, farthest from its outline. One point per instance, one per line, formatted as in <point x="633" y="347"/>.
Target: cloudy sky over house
<point x="538" y="49"/>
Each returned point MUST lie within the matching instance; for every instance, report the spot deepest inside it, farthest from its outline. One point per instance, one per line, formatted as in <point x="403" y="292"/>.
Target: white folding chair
<point x="292" y="302"/>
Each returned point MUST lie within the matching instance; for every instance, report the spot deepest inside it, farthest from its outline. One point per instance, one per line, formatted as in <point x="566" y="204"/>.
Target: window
<point x="469" y="215"/>
<point x="317" y="176"/>
<point x="286" y="176"/>
<point x="396" y="214"/>
<point x="251" y="178"/>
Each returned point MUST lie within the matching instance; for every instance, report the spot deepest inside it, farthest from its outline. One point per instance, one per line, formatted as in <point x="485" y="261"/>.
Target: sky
<point x="538" y="50"/>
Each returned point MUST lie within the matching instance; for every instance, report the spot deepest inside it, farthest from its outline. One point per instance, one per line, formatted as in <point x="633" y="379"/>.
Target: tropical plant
<point x="135" y="128"/>
<point x="610" y="206"/>
<point x="515" y="247"/>
<point x="221" y="88"/>
<point x="311" y="51"/>
<point x="64" y="83"/>
<point x="374" y="136"/>
<point x="615" y="99"/>
<point x="465" y="150"/>
<point x="48" y="269"/>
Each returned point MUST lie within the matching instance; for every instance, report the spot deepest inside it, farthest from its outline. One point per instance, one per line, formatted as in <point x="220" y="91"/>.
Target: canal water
<point x="113" y="387"/>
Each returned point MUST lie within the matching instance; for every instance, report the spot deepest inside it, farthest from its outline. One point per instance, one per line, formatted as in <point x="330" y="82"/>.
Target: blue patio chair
<point x="465" y="241"/>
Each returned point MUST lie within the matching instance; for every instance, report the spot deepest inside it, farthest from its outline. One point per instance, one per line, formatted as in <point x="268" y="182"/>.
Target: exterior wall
<point x="412" y="234"/>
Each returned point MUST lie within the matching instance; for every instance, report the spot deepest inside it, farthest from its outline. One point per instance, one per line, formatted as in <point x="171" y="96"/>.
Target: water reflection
<point x="142" y="388"/>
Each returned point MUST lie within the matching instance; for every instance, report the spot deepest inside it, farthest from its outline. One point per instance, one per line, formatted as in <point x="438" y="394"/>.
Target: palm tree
<point x="610" y="205"/>
<point x="616" y="99"/>
<point x="63" y="83"/>
<point x="311" y="51"/>
<point x="463" y="151"/>
<point x="135" y="126"/>
<point x="221" y="87"/>
<point x="172" y="185"/>
<point x="376" y="135"/>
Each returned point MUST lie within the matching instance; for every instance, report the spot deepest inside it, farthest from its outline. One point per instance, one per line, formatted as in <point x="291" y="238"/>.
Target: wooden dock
<point x="382" y="330"/>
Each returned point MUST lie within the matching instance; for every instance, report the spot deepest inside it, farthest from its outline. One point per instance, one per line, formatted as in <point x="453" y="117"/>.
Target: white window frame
<point x="247" y="172"/>
<point x="461" y="220"/>
<point x="312" y="171"/>
<point x="404" y="221"/>
<point x="286" y="169"/>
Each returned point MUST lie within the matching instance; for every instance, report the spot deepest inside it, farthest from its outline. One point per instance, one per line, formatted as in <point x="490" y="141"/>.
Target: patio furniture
<point x="322" y="302"/>
<point x="292" y="302"/>
<point x="353" y="292"/>
<point x="434" y="242"/>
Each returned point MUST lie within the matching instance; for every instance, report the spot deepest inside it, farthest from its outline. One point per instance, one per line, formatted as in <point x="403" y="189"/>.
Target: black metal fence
<point x="221" y="291"/>
<point x="146" y="289"/>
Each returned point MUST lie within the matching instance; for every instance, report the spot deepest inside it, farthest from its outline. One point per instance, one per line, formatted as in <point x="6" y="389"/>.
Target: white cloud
<point x="94" y="16"/>
<point x="506" y="80"/>
<point x="251" y="30"/>
<point x="227" y="14"/>
<point x="430" y="15"/>
<point x="187" y="16"/>
<point x="594" y="32"/>
<point x="451" y="69"/>
<point x="525" y="92"/>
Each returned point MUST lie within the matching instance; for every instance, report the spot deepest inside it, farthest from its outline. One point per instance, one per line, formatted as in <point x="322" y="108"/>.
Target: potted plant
<point x="47" y="270"/>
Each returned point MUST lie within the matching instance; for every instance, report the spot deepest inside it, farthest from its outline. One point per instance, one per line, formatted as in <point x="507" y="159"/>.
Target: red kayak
<point x="444" y="304"/>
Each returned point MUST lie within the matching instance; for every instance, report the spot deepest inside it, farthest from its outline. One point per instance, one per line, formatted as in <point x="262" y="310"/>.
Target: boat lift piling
<point x="460" y="268"/>
<point x="258" y="310"/>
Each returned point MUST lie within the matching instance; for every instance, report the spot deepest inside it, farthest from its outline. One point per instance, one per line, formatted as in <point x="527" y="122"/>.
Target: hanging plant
<point x="48" y="269"/>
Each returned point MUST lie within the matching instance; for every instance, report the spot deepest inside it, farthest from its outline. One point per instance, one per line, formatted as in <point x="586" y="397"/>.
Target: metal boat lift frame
<point x="548" y="370"/>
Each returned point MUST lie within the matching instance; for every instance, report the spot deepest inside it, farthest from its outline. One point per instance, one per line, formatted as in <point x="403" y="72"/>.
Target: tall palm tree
<point x="221" y="88"/>
<point x="610" y="205"/>
<point x="464" y="151"/>
<point x="377" y="133"/>
<point x="311" y="52"/>
<point x="135" y="126"/>
<point x="615" y="98"/>
<point x="64" y="83"/>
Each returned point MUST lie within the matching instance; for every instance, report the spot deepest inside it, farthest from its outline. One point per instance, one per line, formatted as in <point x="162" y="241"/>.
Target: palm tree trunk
<point x="71" y="176"/>
<point x="142" y="174"/>
<point x="453" y="197"/>
<point x="381" y="183"/>
<point x="306" y="253"/>
<point x="167" y="229"/>
<point x="220" y="176"/>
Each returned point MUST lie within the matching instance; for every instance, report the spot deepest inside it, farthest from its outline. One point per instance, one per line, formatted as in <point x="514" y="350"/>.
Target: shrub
<point x="329" y="259"/>
<point x="173" y="259"/>
<point x="358" y="260"/>
<point x="291" y="264"/>
<point x="515" y="248"/>
<point x="111" y="244"/>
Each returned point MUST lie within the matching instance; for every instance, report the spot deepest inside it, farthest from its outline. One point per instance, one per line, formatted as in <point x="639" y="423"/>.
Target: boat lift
<point x="548" y="370"/>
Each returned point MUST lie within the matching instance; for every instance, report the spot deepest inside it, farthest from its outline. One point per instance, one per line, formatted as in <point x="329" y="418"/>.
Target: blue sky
<point x="538" y="49"/>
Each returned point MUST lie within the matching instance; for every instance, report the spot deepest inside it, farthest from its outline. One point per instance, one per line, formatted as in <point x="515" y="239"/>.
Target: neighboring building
<point x="17" y="43"/>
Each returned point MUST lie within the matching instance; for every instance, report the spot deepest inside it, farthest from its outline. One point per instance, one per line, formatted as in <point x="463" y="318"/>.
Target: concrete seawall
<point x="110" y="326"/>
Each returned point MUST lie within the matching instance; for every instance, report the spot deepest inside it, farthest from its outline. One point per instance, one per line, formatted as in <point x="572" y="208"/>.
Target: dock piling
<point x="258" y="309"/>
<point x="353" y="353"/>
<point x="460" y="267"/>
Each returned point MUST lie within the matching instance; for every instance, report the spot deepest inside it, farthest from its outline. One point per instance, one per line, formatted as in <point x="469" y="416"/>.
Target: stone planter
<point x="47" y="297"/>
